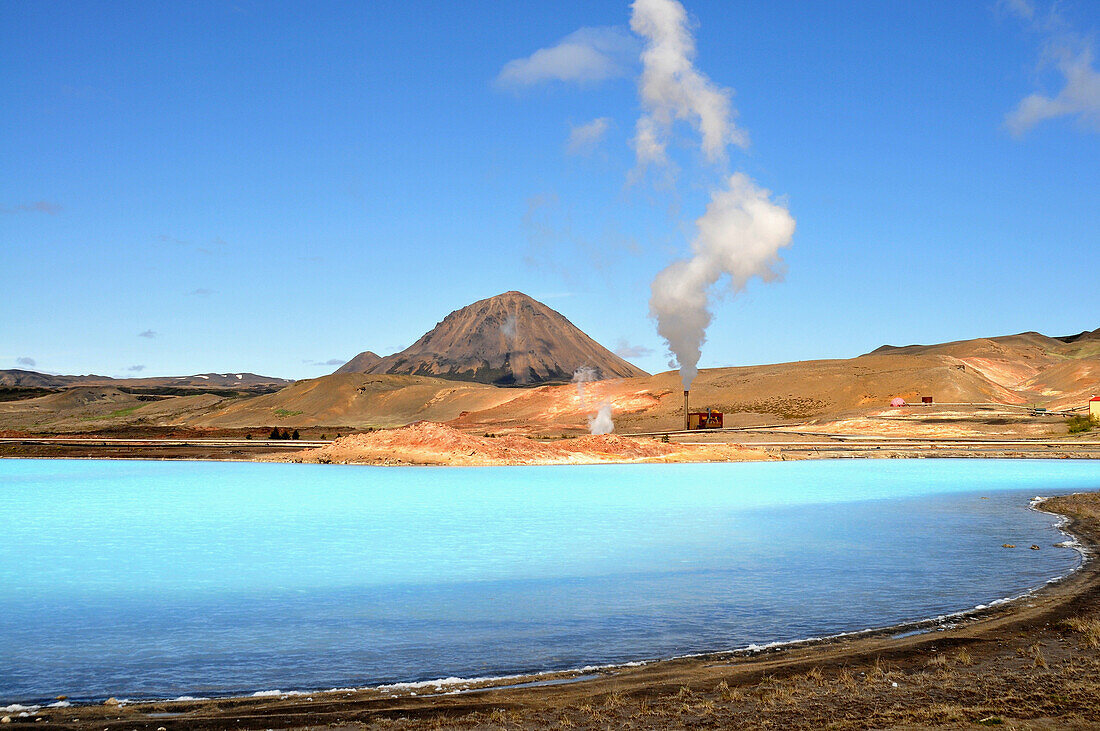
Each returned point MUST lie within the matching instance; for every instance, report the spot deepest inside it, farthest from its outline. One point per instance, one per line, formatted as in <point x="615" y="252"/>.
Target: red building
<point x="709" y="419"/>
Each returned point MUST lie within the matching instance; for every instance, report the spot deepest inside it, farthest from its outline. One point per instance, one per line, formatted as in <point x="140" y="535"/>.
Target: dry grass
<point x="1086" y="626"/>
<point x="878" y="672"/>
<point x="728" y="694"/>
<point x="705" y="707"/>
<point x="946" y="713"/>
<point x="775" y="692"/>
<point x="503" y="717"/>
<point x="939" y="660"/>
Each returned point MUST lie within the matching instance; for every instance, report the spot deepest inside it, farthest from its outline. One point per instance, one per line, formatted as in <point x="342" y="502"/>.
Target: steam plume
<point x="508" y="329"/>
<point x="671" y="88"/>
<point x="600" y="422"/>
<point x="742" y="230"/>
<point x="740" y="235"/>
<point x="583" y="375"/>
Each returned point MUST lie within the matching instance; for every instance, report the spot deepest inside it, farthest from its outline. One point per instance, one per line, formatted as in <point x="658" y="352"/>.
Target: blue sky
<point x="232" y="186"/>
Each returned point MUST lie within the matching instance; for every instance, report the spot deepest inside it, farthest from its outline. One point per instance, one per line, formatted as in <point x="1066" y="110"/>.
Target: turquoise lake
<point x="141" y="579"/>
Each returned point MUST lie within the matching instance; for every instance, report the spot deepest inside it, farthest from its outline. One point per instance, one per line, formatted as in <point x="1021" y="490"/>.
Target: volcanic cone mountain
<point x="507" y="340"/>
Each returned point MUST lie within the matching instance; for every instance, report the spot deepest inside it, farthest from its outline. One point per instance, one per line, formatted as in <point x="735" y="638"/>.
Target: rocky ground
<point x="427" y="443"/>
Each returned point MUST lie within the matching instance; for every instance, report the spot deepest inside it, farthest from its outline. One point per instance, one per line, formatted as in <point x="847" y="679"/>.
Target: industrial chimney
<point x="687" y="418"/>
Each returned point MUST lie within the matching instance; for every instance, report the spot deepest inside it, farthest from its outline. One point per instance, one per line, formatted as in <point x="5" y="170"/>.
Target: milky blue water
<point x="157" y="579"/>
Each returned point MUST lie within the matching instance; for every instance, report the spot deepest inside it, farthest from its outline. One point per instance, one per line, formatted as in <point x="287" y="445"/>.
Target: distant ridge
<point x="1084" y="335"/>
<point x="1030" y="338"/>
<point x="235" y="380"/>
<point x="507" y="340"/>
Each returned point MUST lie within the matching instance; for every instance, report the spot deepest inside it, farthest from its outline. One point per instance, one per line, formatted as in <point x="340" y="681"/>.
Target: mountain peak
<point x="361" y="363"/>
<point x="510" y="339"/>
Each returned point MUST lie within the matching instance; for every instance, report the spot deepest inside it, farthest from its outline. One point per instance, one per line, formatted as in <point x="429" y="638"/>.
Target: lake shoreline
<point x="792" y="451"/>
<point x="1023" y="642"/>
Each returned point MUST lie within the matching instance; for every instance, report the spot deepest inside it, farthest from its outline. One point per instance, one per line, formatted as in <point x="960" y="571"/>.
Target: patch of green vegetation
<point x="285" y="412"/>
<point x="114" y="414"/>
<point x="1080" y="424"/>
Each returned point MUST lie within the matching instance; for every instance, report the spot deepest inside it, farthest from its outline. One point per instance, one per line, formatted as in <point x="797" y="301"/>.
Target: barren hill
<point x="92" y="408"/>
<point x="507" y="340"/>
<point x="358" y="400"/>
<point x="1026" y="369"/>
<point x="1033" y="367"/>
<point x="749" y="395"/>
<point x="361" y="363"/>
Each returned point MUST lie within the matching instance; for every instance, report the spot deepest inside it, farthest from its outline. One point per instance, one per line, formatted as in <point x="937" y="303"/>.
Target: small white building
<point x="1094" y="408"/>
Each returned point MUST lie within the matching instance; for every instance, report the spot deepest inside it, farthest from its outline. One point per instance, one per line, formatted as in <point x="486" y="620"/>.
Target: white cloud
<point x="586" y="56"/>
<point x="1072" y="55"/>
<point x="25" y="361"/>
<point x="628" y="351"/>
<point x="1021" y="8"/>
<point x="584" y="138"/>
<point x="1079" y="97"/>
<point x="672" y="89"/>
<point x="147" y="334"/>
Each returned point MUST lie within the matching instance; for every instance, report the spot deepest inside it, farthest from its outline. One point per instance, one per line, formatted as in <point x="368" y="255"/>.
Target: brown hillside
<point x="1036" y="367"/>
<point x="507" y="340"/>
<point x="92" y="408"/>
<point x="781" y="393"/>
<point x="359" y="400"/>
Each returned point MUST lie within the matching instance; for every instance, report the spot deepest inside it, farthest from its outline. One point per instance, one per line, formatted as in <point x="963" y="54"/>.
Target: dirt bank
<point x="427" y="443"/>
<point x="1034" y="663"/>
